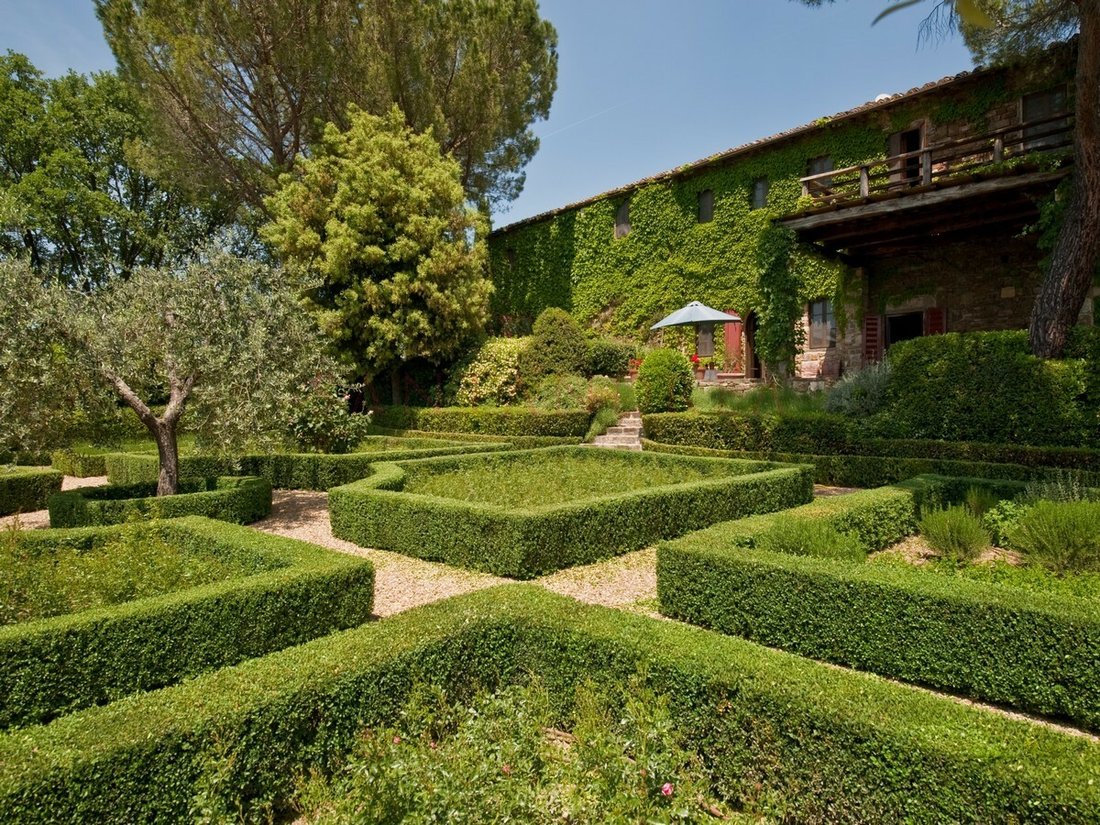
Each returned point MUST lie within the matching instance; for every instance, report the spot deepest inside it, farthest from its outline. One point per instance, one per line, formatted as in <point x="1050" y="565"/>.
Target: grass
<point x="758" y="400"/>
<point x="553" y="479"/>
<point x="136" y="565"/>
<point x="386" y="443"/>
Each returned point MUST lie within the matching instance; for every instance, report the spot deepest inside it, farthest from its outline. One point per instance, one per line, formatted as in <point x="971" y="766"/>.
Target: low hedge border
<point x="299" y="592"/>
<point x="876" y="471"/>
<point x="487" y="420"/>
<point x="239" y="499"/>
<point x="830" y="434"/>
<point x="517" y="442"/>
<point x="79" y="462"/>
<point x="788" y="737"/>
<point x="527" y="542"/>
<point x="1036" y="652"/>
<point x="25" y="489"/>
<point x="285" y="471"/>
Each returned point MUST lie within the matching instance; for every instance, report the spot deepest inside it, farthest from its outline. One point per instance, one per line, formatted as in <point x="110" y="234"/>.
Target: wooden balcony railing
<point x="952" y="161"/>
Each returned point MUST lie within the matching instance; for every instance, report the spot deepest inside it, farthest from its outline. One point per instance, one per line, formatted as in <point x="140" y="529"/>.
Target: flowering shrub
<point x="319" y="420"/>
<point x="488" y="374"/>
<point x="508" y="757"/>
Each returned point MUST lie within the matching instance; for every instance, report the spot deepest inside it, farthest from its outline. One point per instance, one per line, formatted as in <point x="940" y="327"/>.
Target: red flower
<point x="695" y="358"/>
<point x="666" y="789"/>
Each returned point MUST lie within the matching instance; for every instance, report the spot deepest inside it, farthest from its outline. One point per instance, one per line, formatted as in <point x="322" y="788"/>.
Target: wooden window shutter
<point x="935" y="321"/>
<point x="872" y="339"/>
<point x="733" y="342"/>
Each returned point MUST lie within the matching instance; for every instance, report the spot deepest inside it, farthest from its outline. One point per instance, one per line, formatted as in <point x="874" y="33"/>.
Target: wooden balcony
<point x="891" y="204"/>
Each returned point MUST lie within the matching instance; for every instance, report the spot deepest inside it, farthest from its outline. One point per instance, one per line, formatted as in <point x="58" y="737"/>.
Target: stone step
<point x="620" y="429"/>
<point x="634" y="448"/>
<point x="614" y="439"/>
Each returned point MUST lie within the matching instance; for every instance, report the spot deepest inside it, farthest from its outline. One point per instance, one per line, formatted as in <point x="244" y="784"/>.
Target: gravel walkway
<point x="401" y="582"/>
<point x="628" y="581"/>
<point x="39" y="519"/>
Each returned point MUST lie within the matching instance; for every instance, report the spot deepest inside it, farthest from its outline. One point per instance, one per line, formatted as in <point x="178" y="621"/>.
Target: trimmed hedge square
<point x="1034" y="651"/>
<point x="26" y="489"/>
<point x="794" y="739"/>
<point x="521" y="421"/>
<point x="527" y="540"/>
<point x="297" y="592"/>
<point x="239" y="499"/>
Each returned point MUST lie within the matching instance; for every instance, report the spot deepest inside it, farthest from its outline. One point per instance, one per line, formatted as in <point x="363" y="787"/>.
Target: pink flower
<point x="666" y="789"/>
<point x="507" y="769"/>
<point x="397" y="740"/>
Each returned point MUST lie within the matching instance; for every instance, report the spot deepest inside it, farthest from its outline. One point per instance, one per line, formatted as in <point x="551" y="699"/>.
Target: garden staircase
<point x="625" y="435"/>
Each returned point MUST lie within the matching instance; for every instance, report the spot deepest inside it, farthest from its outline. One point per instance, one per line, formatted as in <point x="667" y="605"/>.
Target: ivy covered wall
<point x="621" y="286"/>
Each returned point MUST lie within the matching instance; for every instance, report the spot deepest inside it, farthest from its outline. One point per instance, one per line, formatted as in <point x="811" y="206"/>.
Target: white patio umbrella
<point x="695" y="313"/>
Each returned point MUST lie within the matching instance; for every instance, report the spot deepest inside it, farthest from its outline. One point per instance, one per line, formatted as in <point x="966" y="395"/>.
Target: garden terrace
<point x="295" y="471"/>
<point x="528" y="512"/>
<point x="24" y="489"/>
<point x="252" y="594"/>
<point x="786" y="736"/>
<point x="1028" y="647"/>
<point x="239" y="499"/>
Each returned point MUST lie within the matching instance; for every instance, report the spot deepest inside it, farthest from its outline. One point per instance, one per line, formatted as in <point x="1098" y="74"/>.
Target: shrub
<point x="999" y="520"/>
<point x="1032" y="651"/>
<point x="603" y="394"/>
<point x="284" y="593"/>
<point x="980" y="500"/>
<point x="665" y="382"/>
<point x="1061" y="535"/>
<point x="860" y="394"/>
<point x="557" y="347"/>
<point x="488" y="374"/>
<point x="522" y="517"/>
<point x="320" y="421"/>
<point x="1058" y="486"/>
<point x="608" y="357"/>
<point x="242" y="499"/>
<point x="25" y="489"/>
<point x="506" y="421"/>
<point x="770" y="726"/>
<point x="954" y="533"/>
<point x="810" y="537"/>
<point x="80" y="462"/>
<point x="560" y="392"/>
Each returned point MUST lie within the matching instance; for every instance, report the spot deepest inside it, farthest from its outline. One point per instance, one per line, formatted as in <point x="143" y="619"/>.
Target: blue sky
<point x="643" y="85"/>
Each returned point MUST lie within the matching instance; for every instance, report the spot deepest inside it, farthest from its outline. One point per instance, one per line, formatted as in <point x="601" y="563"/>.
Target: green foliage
<point x="996" y="643"/>
<point x="1061" y="535"/>
<point x="1000" y="519"/>
<point x="25" y="489"/>
<point x="609" y="357"/>
<point x="954" y="533"/>
<point x="768" y="725"/>
<point x="503" y="421"/>
<point x="477" y="75"/>
<point x="779" y="337"/>
<point x="241" y="500"/>
<point x="780" y="400"/>
<point x="560" y="392"/>
<point x="488" y="374"/>
<point x="557" y="347"/>
<point x="84" y="203"/>
<point x="861" y="394"/>
<point x="1063" y="485"/>
<point x="271" y="593"/>
<point x="604" y="393"/>
<point x="378" y="214"/>
<point x="505" y="757"/>
<point x="523" y="517"/>
<point x="320" y="421"/>
<point x="665" y="382"/>
<point x="980" y="501"/>
<point x="810" y="537"/>
<point x="985" y="387"/>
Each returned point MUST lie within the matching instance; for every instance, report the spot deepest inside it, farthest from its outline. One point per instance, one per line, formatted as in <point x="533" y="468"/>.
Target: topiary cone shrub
<point x="665" y="382"/>
<point x="558" y="347"/>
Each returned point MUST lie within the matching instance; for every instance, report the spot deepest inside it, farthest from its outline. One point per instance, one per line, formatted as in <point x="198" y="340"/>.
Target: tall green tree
<point x="225" y="339"/>
<point x="78" y="195"/>
<point x="238" y="88"/>
<point x="378" y="214"/>
<point x="1006" y="31"/>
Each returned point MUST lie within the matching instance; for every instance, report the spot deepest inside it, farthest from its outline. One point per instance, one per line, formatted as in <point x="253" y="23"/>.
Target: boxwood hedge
<point x="289" y="471"/>
<point x="486" y="420"/>
<point x="529" y="541"/>
<point x="1036" y="652"/>
<point x="298" y="592"/>
<point x="792" y="738"/>
<point x="240" y="499"/>
<point x="25" y="489"/>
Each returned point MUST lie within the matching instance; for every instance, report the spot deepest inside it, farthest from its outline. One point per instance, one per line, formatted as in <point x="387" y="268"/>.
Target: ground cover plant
<point x="103" y="612"/>
<point x="1015" y="637"/>
<point x="239" y="499"/>
<point x="513" y="756"/>
<point x="24" y="489"/>
<point x="526" y="512"/>
<point x="780" y="735"/>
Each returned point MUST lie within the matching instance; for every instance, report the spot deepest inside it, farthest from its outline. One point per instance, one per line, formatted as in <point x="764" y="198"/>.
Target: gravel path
<point x="401" y="582"/>
<point x="628" y="581"/>
<point x="39" y="519"/>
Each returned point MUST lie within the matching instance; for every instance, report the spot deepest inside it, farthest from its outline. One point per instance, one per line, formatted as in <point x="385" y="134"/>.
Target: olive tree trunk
<point x="1076" y="254"/>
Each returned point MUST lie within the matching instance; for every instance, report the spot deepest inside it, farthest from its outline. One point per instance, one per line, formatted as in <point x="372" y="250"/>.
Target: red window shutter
<point x="935" y="321"/>
<point x="872" y="339"/>
<point x="733" y="342"/>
